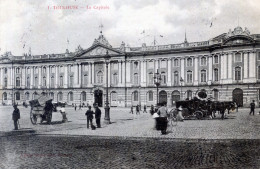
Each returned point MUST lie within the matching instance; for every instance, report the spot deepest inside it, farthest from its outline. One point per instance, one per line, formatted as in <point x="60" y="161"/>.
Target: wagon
<point x="41" y="110"/>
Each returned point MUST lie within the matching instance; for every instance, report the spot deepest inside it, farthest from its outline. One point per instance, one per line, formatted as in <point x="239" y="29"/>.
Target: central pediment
<point x="99" y="50"/>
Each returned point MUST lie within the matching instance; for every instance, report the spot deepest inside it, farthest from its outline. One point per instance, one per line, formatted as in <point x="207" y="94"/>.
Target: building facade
<point x="226" y="67"/>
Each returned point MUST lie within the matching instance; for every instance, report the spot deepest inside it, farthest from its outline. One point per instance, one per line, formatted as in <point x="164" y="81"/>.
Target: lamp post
<point x="157" y="82"/>
<point x="181" y="80"/>
<point x="107" y="108"/>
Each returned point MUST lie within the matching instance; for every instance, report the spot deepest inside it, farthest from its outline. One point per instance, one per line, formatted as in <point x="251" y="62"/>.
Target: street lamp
<point x="157" y="82"/>
<point x="181" y="80"/>
<point x="107" y="108"/>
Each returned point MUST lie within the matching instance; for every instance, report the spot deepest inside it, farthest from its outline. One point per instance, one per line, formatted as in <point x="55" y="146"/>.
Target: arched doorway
<point x="238" y="96"/>
<point x="162" y="97"/>
<point x="176" y="96"/>
<point x="98" y="94"/>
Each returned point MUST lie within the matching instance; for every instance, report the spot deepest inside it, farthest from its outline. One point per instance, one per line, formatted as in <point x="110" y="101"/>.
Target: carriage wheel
<point x="33" y="118"/>
<point x="199" y="115"/>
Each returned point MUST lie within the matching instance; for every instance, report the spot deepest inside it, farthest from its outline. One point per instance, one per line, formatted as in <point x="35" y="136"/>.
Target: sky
<point x="37" y="25"/>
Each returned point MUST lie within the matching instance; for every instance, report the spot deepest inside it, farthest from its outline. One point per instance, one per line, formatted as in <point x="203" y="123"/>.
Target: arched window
<point x="28" y="82"/>
<point x="113" y="96"/>
<point x="115" y="78"/>
<point x="4" y="96"/>
<point x="60" y="96"/>
<point x="52" y="81"/>
<point x="189" y="76"/>
<point x="135" y="65"/>
<point x="237" y="73"/>
<point x="35" y="95"/>
<point x="150" y="96"/>
<point x="136" y="78"/>
<point x="238" y="57"/>
<point x="215" y="94"/>
<point x="61" y="69"/>
<point x="27" y="96"/>
<point x="5" y="71"/>
<point x="5" y="82"/>
<point x="17" y="96"/>
<point x="203" y="61"/>
<point x="85" y="79"/>
<point x="100" y="77"/>
<point x="216" y="59"/>
<point x="52" y="69"/>
<point x="51" y="95"/>
<point x="163" y="76"/>
<point x="18" y="81"/>
<point x="203" y="76"/>
<point x="215" y="75"/>
<point x="176" y="95"/>
<point x="61" y="80"/>
<point x="70" y="96"/>
<point x="176" y="78"/>
<point x="18" y="70"/>
<point x="150" y="78"/>
<point x="36" y="70"/>
<point x="84" y="96"/>
<point x="135" y="95"/>
<point x="44" y="81"/>
<point x="44" y="70"/>
<point x="176" y="62"/>
<point x="189" y="62"/>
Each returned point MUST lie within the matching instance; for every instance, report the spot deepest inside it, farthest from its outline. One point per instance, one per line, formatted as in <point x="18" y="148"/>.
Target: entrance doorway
<point x="162" y="97"/>
<point x="98" y="94"/>
<point x="238" y="96"/>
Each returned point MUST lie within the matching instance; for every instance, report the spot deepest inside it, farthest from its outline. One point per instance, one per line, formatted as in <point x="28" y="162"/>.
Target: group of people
<point x="137" y="109"/>
<point x="89" y="114"/>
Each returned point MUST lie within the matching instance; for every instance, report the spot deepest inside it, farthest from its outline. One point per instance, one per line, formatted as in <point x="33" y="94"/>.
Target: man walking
<point x="145" y="109"/>
<point x="137" y="109"/>
<point x="252" y="108"/>
<point x="16" y="116"/>
<point x="75" y="107"/>
<point x="98" y="116"/>
<point x="89" y="115"/>
<point x="162" y="120"/>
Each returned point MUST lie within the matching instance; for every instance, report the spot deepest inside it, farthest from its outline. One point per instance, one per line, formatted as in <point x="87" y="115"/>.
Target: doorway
<point x="98" y="94"/>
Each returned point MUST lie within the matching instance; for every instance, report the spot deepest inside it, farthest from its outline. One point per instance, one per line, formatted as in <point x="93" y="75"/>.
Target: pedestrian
<point x="80" y="106"/>
<point x="162" y="120"/>
<point x="98" y="116"/>
<point x="75" y="107"/>
<point x="179" y="115"/>
<point x="16" y="117"/>
<point x="137" y="109"/>
<point x="89" y="115"/>
<point x="152" y="110"/>
<point x="252" y="107"/>
<point x="132" y="110"/>
<point x="145" y="109"/>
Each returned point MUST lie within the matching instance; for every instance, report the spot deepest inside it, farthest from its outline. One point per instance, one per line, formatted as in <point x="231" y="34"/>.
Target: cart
<point x="41" y="110"/>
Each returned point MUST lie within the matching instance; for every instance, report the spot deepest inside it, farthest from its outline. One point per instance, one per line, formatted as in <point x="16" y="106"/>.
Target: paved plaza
<point x="130" y="141"/>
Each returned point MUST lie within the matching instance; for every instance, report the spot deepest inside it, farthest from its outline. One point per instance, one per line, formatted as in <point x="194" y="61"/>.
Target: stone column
<point x="210" y="70"/>
<point x="76" y="74"/>
<point x="182" y="70"/>
<point x="48" y="76"/>
<point x="39" y="77"/>
<point x="32" y="77"/>
<point x="123" y="73"/>
<point x="245" y="65"/>
<point x="56" y="76"/>
<point x="229" y="67"/>
<point x="225" y="65"/>
<point x="145" y="73"/>
<point x="1" y="78"/>
<point x="23" y="79"/>
<point x="109" y="74"/>
<point x="141" y="73"/>
<point x="252" y="63"/>
<point x="79" y="74"/>
<point x="196" y="62"/>
<point x="9" y="77"/>
<point x="128" y="73"/>
<point x="120" y="73"/>
<point x="222" y="68"/>
<point x="66" y="76"/>
<point x="169" y="73"/>
<point x="89" y="75"/>
<point x="92" y="73"/>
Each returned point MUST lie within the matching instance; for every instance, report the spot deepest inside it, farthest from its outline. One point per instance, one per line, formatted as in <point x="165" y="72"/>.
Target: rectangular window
<point x="163" y="64"/>
<point x="216" y="59"/>
<point x="150" y="65"/>
<point x="189" y="77"/>
<point x="238" y="57"/>
<point x="150" y="96"/>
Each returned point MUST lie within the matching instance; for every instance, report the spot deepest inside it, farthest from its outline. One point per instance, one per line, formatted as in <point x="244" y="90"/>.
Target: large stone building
<point x="227" y="67"/>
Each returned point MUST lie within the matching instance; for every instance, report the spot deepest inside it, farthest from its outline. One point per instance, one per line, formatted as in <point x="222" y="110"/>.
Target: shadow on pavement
<point x="18" y="132"/>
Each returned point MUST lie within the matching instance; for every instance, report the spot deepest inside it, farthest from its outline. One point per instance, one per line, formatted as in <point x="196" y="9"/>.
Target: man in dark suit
<point x="98" y="116"/>
<point x="89" y="115"/>
<point x="16" y="116"/>
<point x="252" y="108"/>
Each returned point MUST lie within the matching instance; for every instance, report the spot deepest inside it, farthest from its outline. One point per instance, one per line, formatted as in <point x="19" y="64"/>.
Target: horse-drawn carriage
<point x="201" y="108"/>
<point x="41" y="110"/>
